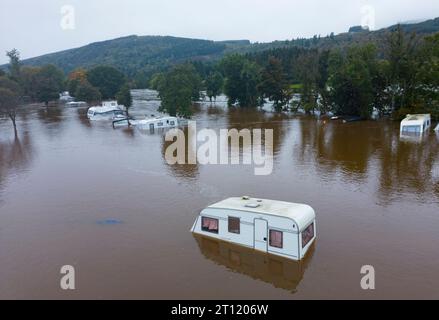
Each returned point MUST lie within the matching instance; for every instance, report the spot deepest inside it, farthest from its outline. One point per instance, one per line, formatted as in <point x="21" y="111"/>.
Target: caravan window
<point x="307" y="235"/>
<point x="276" y="239"/>
<point x="414" y="129"/>
<point x="210" y="225"/>
<point x="234" y="225"/>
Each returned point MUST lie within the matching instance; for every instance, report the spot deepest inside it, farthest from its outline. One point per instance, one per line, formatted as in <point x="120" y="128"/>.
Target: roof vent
<point x="253" y="205"/>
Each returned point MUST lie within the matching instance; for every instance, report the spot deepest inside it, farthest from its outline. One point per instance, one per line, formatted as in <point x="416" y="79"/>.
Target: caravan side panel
<point x="280" y="225"/>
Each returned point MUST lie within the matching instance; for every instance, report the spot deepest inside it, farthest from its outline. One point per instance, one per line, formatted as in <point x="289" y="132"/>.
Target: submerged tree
<point x="178" y="88"/>
<point x="242" y="77"/>
<point x="124" y="98"/>
<point x="50" y="82"/>
<point x="214" y="85"/>
<point x="10" y="93"/>
<point x="86" y="92"/>
<point x="351" y="80"/>
<point x="401" y="55"/>
<point x="273" y="84"/>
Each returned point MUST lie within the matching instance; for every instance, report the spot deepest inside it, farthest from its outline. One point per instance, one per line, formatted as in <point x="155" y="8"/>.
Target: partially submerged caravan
<point x="109" y="110"/>
<point x="280" y="228"/>
<point x="157" y="123"/>
<point x="415" y="123"/>
<point x="148" y="123"/>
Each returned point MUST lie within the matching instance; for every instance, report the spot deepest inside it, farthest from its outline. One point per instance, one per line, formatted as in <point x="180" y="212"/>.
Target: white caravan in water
<point x="415" y="124"/>
<point x="276" y="227"/>
<point x="149" y="123"/>
<point x="109" y="110"/>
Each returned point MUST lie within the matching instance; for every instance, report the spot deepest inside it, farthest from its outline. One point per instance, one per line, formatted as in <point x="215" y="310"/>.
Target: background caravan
<point x="280" y="228"/>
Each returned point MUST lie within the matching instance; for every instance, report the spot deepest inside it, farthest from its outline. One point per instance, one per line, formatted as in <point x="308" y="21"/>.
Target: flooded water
<point x="105" y="201"/>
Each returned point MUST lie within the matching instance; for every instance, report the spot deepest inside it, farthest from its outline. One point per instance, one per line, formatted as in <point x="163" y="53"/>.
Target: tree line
<point x="24" y="84"/>
<point x="356" y="80"/>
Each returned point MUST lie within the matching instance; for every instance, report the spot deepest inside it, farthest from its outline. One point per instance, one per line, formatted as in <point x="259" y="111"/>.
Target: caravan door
<point x="261" y="235"/>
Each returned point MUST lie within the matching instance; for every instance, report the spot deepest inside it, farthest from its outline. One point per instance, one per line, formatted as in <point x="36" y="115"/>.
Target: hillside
<point x="141" y="56"/>
<point x="342" y="40"/>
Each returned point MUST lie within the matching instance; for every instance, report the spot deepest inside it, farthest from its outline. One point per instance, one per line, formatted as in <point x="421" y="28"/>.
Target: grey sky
<point x="34" y="27"/>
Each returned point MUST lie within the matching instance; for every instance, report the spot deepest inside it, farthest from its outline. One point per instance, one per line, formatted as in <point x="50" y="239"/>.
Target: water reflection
<point x="408" y="167"/>
<point x="190" y="171"/>
<point x="281" y="273"/>
<point x="364" y="150"/>
<point x="15" y="156"/>
<point x="52" y="119"/>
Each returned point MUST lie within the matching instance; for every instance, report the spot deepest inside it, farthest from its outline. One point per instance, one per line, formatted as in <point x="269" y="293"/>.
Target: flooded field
<point x="105" y="201"/>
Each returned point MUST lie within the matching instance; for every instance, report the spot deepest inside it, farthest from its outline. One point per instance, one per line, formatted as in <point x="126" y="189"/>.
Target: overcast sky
<point x="44" y="26"/>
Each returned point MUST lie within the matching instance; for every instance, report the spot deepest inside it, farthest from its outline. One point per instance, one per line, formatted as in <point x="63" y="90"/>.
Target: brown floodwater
<point x="105" y="201"/>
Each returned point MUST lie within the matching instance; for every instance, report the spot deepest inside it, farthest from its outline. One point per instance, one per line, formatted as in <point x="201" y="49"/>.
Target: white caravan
<point x="276" y="227"/>
<point x="148" y="123"/>
<point x="109" y="110"/>
<point x="156" y="123"/>
<point x="415" y="124"/>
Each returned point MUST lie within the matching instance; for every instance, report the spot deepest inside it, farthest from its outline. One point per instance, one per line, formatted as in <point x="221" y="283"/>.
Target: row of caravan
<point x="112" y="111"/>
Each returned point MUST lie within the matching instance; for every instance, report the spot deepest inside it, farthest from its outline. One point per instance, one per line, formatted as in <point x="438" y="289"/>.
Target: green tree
<point x="29" y="82"/>
<point x="241" y="80"/>
<point x="401" y="54"/>
<point x="177" y="89"/>
<point x="308" y="74"/>
<point x="214" y="85"/>
<point x="10" y="93"/>
<point x="322" y="82"/>
<point x="124" y="98"/>
<point x="274" y="84"/>
<point x="107" y="79"/>
<point x="50" y="82"/>
<point x="427" y="77"/>
<point x="232" y="67"/>
<point x="157" y="81"/>
<point x="86" y="92"/>
<point x="351" y="80"/>
<point x="14" y="64"/>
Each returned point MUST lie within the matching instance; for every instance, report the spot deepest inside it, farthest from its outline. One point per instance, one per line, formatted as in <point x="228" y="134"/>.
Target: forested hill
<point x="356" y="35"/>
<point x="141" y="56"/>
<point x="133" y="53"/>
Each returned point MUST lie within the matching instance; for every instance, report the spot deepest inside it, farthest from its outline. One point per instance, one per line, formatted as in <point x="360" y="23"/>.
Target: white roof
<point x="302" y="214"/>
<point x="104" y="109"/>
<point x="416" y="118"/>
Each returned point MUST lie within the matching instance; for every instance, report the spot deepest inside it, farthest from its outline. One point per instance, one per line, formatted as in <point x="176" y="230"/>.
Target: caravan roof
<point x="302" y="214"/>
<point x="417" y="117"/>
